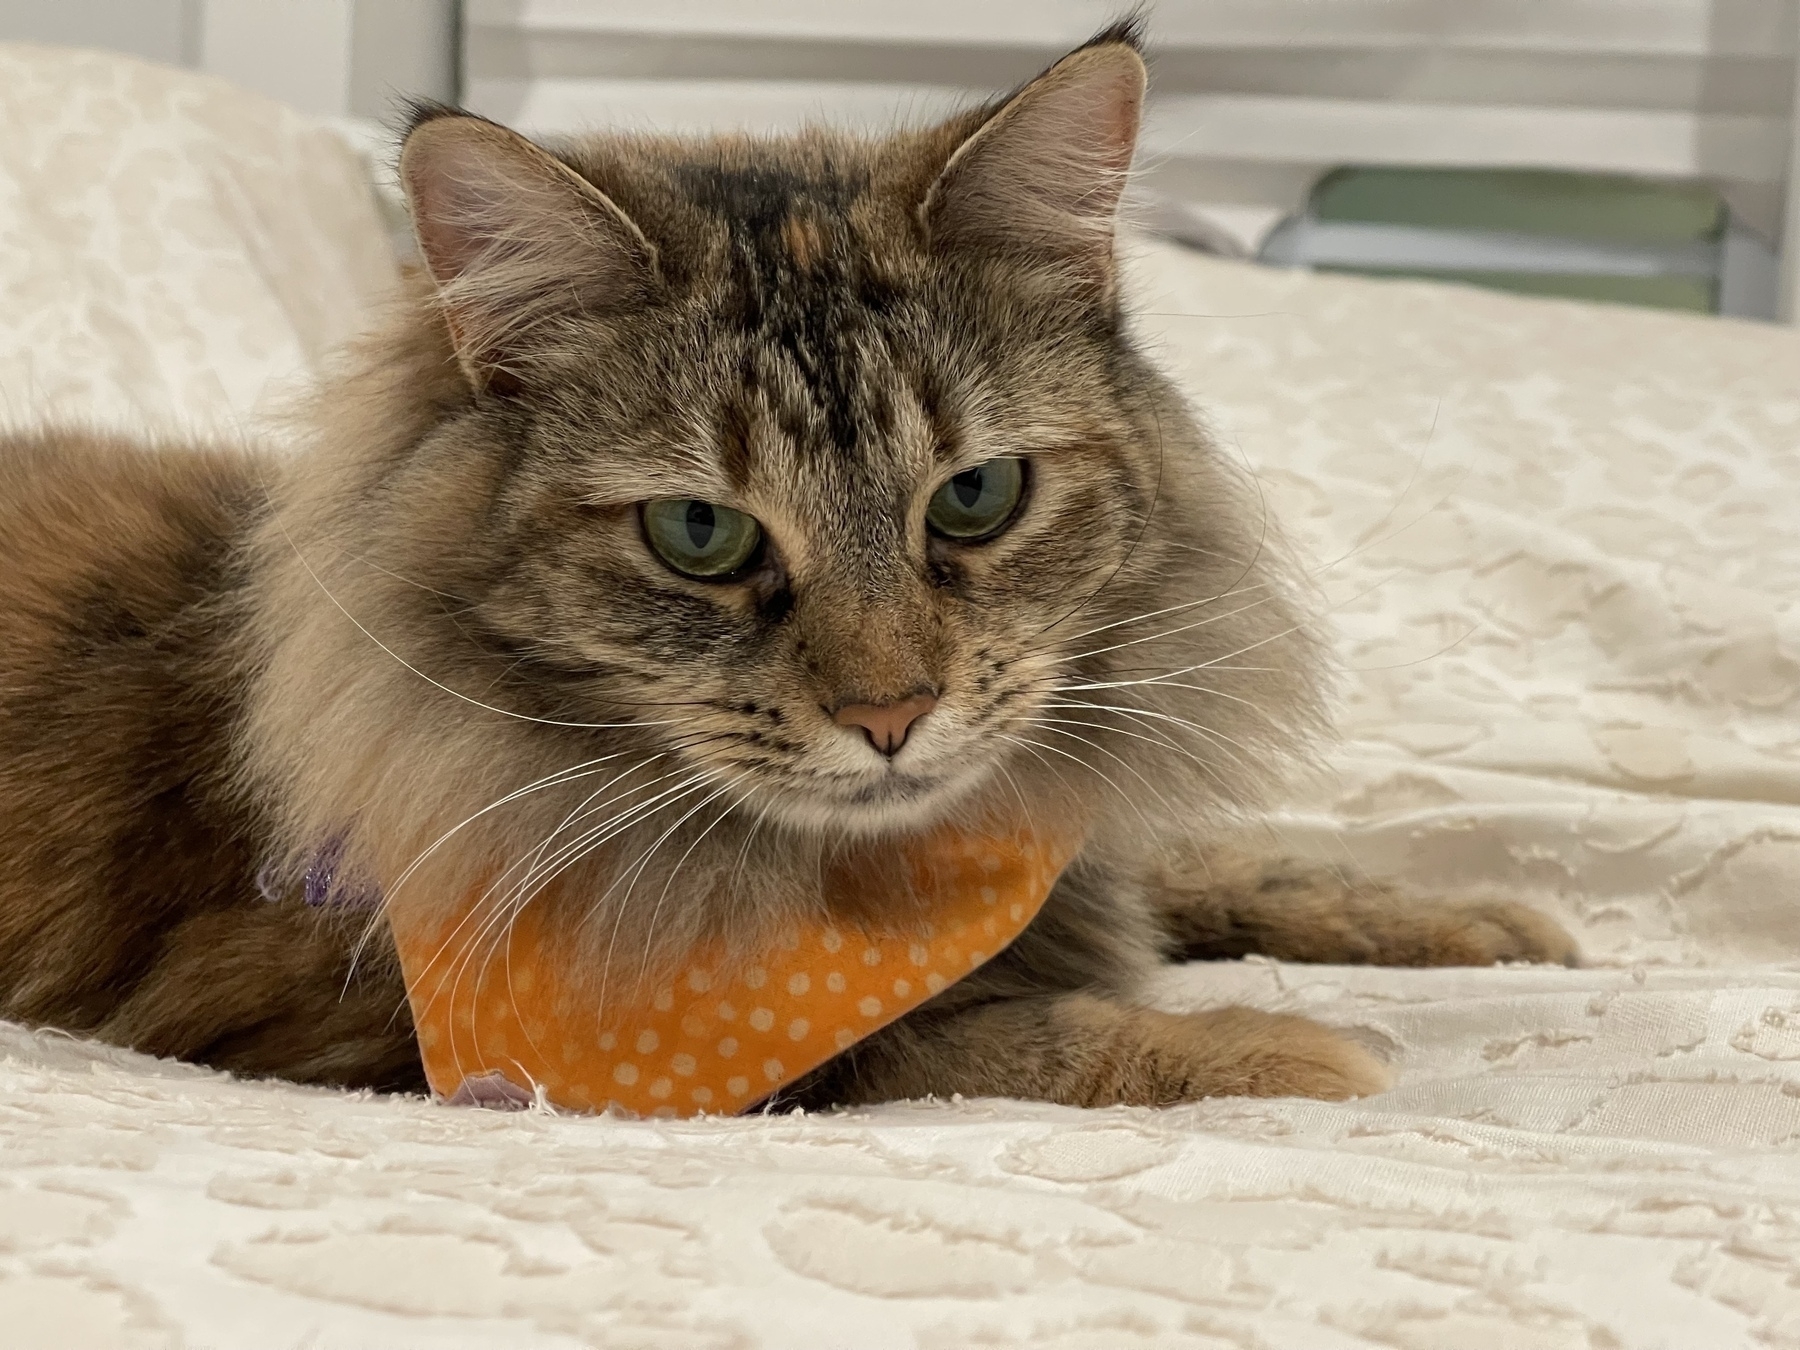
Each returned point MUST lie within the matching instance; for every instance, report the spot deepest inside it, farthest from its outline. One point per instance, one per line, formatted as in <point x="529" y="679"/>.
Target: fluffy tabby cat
<point x="707" y="504"/>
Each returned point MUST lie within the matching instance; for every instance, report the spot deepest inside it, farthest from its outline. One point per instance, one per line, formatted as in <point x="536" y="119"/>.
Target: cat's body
<point x="450" y="644"/>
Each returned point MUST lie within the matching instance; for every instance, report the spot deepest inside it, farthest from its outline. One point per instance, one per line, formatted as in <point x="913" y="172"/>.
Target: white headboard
<point x="1251" y="98"/>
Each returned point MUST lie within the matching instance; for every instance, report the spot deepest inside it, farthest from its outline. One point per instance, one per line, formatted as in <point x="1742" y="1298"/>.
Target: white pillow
<point x="174" y="251"/>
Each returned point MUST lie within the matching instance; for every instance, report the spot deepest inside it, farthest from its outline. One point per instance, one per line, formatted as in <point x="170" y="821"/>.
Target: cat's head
<point x="827" y="465"/>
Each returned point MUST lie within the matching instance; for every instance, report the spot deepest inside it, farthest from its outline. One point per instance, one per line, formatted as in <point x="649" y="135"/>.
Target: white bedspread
<point x="1565" y="582"/>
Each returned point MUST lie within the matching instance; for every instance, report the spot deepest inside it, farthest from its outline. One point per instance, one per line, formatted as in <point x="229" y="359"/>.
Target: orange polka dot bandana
<point x="719" y="1035"/>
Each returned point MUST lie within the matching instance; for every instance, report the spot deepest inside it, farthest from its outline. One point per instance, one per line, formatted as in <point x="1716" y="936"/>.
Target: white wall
<point x="160" y="30"/>
<point x="332" y="58"/>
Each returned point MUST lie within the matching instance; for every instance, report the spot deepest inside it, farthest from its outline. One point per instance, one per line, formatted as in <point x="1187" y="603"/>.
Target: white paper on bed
<point x="1566" y="595"/>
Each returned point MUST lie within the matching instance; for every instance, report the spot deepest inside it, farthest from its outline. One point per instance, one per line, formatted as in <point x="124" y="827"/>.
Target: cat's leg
<point x="1057" y="1017"/>
<point x="1232" y="905"/>
<point x="276" y="990"/>
<point x="1084" y="1050"/>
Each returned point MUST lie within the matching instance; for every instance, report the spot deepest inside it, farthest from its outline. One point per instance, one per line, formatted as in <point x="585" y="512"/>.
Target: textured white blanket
<point x="1565" y="579"/>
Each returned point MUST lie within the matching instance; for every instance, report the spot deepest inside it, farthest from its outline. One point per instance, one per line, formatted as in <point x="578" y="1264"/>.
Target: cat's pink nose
<point x="885" y="724"/>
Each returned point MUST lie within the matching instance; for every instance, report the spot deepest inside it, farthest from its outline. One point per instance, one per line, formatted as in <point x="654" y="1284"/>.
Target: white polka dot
<point x="831" y="940"/>
<point x="608" y="1041"/>
<point x="699" y="981"/>
<point x="762" y="1019"/>
<point x="990" y="863"/>
<point x="756" y="977"/>
<point x="835" y="982"/>
<point x="727" y="1013"/>
<point x="976" y="958"/>
<point x="844" y="1037"/>
<point x="625" y="1073"/>
<point x="663" y="1113"/>
<point x="871" y="956"/>
<point x="989" y="895"/>
<point x="1016" y="913"/>
<point x="902" y="988"/>
<point x="789" y="941"/>
<point x="798" y="983"/>
<point x="737" y="1087"/>
<point x="918" y="955"/>
<point x="935" y="982"/>
<point x="870" y="1007"/>
<point x="647" y="1041"/>
<point x="701" y="1095"/>
<point x="798" y="1028"/>
<point x="728" y="1047"/>
<point x="661" y="1088"/>
<point x="664" y="1000"/>
<point x="772" y="1070"/>
<point x="684" y="1065"/>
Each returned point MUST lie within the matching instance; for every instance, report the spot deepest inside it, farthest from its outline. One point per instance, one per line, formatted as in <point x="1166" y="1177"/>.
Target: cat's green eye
<point x="700" y="539"/>
<point x="977" y="502"/>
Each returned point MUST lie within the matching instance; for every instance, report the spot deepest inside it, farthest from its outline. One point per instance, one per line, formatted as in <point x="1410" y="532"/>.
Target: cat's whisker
<point x="562" y="778"/>
<point x="1131" y="549"/>
<point x="1167" y="633"/>
<point x="531" y="857"/>
<point x="668" y="884"/>
<point x="1211" y="771"/>
<point x="1198" y="688"/>
<point x="1213" y="599"/>
<point x="439" y="684"/>
<point x="1032" y="748"/>
<point x="500" y="916"/>
<point x="1013" y="783"/>
<point x="593" y="836"/>
<point x="1056" y="725"/>
<point x="1218" y="738"/>
<point x="1103" y="777"/>
<point x="1137" y="711"/>
<point x="1216" y="663"/>
<point x="737" y="870"/>
<point x="488" y="906"/>
<point x="1372" y="539"/>
<point x="553" y="780"/>
<point x="642" y="861"/>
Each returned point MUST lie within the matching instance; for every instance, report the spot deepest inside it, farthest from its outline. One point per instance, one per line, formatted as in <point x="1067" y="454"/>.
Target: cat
<point x="702" y="505"/>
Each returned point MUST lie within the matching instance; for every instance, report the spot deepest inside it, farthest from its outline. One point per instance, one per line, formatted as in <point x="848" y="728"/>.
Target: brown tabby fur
<point x="214" y="661"/>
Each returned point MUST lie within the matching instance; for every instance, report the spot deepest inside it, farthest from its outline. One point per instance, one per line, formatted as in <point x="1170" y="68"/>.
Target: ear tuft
<point x="513" y="237"/>
<point x="1041" y="177"/>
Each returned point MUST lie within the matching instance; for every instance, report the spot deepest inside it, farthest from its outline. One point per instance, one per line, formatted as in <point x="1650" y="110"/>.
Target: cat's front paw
<point x="1240" y="1052"/>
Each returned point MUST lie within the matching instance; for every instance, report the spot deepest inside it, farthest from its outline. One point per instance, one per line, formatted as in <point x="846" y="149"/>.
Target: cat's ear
<point x="514" y="237"/>
<point x="1041" y="177"/>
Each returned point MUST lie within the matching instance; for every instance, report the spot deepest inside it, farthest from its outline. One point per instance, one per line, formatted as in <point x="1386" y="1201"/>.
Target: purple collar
<point x="320" y="884"/>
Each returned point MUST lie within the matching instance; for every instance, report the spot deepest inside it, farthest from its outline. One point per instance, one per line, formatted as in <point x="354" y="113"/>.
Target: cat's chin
<point x="893" y="803"/>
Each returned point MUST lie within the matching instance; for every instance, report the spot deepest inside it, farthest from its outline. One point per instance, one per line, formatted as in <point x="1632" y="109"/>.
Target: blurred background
<point x="1638" y="151"/>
